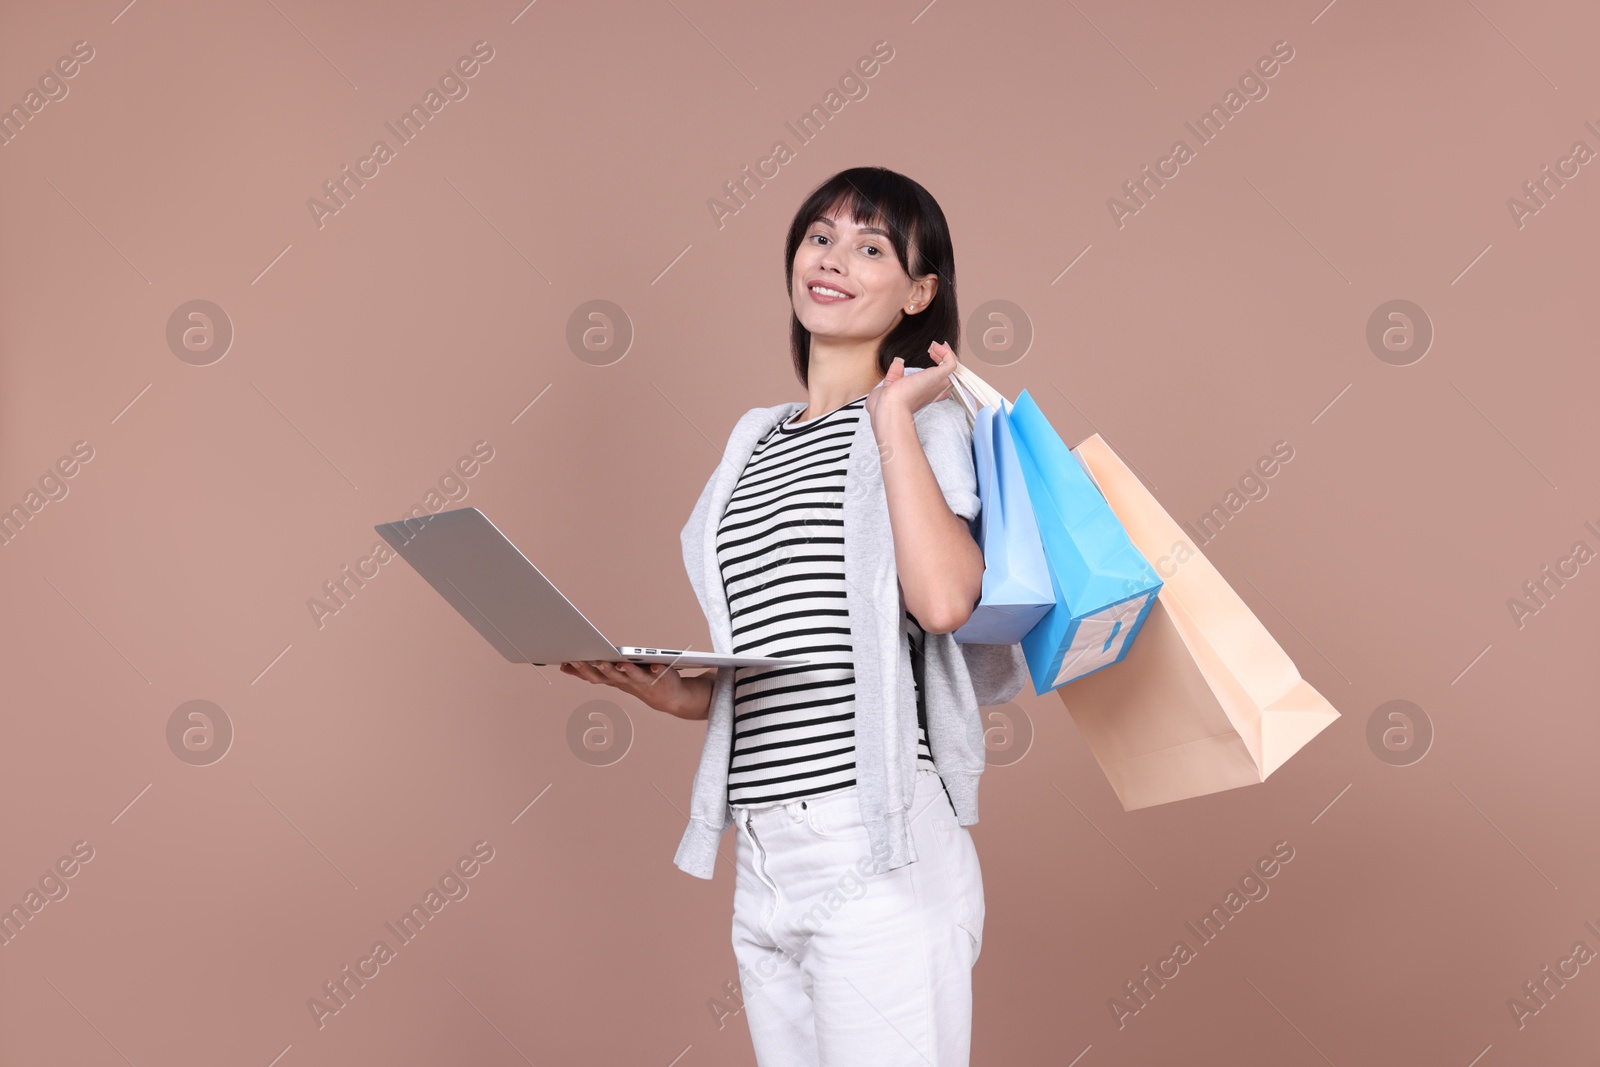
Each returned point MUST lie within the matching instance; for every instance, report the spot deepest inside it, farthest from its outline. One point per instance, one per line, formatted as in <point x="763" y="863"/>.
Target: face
<point x="870" y="290"/>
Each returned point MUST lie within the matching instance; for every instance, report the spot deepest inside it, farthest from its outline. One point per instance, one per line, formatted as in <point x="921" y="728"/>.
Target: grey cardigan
<point x="958" y="678"/>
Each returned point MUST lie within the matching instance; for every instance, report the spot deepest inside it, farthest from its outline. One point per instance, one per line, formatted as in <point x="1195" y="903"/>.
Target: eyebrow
<point x="865" y="229"/>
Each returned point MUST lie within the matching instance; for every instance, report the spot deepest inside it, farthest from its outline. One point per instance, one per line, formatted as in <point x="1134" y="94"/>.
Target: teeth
<point x="825" y="291"/>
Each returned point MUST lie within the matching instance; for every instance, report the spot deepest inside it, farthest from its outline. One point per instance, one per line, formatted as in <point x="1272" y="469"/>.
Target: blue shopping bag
<point x="1103" y="587"/>
<point x="1016" y="579"/>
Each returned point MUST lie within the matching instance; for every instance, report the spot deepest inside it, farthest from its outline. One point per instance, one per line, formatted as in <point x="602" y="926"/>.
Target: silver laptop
<point x="515" y="607"/>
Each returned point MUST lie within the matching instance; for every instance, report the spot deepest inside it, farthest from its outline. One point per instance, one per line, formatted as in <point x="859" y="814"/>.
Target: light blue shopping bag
<point x="1103" y="587"/>
<point x="1016" y="579"/>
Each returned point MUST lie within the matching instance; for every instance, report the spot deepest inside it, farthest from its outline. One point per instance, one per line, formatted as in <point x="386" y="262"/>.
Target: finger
<point x="616" y="673"/>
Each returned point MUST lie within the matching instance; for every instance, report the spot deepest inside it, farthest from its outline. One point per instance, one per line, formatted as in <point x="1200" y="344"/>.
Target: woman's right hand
<point x="657" y="685"/>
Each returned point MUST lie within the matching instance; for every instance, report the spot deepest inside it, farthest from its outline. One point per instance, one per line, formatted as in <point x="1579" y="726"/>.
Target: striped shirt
<point x="780" y="548"/>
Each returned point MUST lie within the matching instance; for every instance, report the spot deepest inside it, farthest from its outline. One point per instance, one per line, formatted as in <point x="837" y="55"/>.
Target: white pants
<point x="842" y="968"/>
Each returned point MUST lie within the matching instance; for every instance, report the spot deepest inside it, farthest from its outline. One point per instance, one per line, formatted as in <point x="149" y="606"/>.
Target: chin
<point x="816" y="329"/>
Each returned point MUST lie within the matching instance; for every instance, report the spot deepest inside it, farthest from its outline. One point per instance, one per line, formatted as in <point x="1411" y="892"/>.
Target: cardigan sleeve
<point x="947" y="442"/>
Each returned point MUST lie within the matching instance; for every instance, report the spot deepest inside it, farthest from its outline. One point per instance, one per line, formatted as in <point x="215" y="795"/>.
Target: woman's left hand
<point x="914" y="391"/>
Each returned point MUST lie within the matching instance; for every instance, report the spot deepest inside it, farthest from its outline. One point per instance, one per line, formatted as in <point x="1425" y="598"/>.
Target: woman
<point x="839" y="532"/>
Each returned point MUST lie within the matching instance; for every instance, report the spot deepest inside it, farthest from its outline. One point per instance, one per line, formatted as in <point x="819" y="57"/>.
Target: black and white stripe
<point x="780" y="548"/>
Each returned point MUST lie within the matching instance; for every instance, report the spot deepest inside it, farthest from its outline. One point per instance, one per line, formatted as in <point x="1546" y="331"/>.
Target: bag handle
<point x="973" y="393"/>
<point x="970" y="391"/>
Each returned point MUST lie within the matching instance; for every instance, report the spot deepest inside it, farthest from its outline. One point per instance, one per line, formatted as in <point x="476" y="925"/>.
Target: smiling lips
<point x="827" y="294"/>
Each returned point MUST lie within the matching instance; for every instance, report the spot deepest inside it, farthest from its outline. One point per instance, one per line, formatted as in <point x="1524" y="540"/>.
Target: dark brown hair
<point x="877" y="196"/>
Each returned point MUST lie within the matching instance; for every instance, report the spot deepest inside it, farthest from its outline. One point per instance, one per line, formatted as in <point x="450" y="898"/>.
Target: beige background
<point x="432" y="310"/>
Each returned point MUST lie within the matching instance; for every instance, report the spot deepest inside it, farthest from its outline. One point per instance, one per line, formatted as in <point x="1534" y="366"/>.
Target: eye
<point x="877" y="252"/>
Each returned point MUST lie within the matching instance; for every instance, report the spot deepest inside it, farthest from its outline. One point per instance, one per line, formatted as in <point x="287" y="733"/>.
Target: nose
<point x="827" y="260"/>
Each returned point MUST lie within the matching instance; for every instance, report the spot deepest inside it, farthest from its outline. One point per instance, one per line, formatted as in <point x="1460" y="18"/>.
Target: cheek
<point x="885" y="280"/>
<point x="802" y="271"/>
<point x="880" y="294"/>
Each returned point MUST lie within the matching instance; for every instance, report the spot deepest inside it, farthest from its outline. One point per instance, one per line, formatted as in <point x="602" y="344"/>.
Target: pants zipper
<point x="761" y="853"/>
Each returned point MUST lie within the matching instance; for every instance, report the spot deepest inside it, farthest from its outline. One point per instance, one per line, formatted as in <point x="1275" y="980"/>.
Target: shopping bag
<point x="1016" y="579"/>
<point x="1206" y="700"/>
<point x="1102" y="587"/>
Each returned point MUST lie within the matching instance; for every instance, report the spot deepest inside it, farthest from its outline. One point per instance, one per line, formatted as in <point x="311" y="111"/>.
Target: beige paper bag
<point x="1205" y="699"/>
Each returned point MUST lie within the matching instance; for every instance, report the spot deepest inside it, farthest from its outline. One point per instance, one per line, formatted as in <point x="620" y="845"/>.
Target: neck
<point x="836" y="375"/>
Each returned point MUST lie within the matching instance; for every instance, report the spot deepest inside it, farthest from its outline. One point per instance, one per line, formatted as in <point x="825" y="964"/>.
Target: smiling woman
<point x="837" y="531"/>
